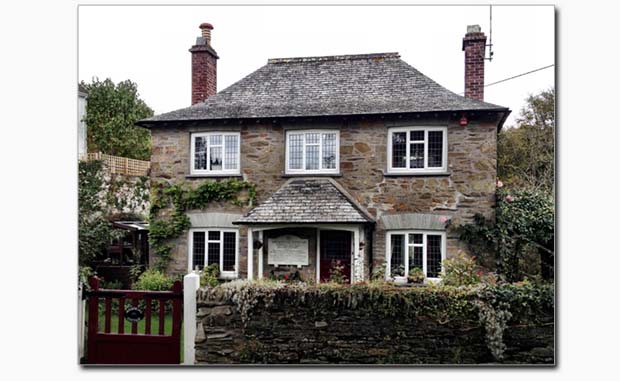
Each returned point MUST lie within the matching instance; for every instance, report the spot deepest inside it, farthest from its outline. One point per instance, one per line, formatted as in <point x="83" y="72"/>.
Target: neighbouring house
<point x="82" y="145"/>
<point x="360" y="159"/>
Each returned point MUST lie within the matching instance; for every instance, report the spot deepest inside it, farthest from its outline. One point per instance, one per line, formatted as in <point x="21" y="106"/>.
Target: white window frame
<point x="303" y="170"/>
<point x="426" y="169"/>
<point x="388" y="250"/>
<point x="223" y="274"/>
<point x="222" y="171"/>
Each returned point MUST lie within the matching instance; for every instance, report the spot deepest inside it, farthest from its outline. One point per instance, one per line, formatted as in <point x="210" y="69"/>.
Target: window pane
<point x="435" y="148"/>
<point x="198" y="250"/>
<point x="312" y="157"/>
<point x="214" y="235"/>
<point x="295" y="151"/>
<point x="417" y="155"/>
<point x="399" y="150"/>
<point x="433" y="253"/>
<point x="230" y="250"/>
<point x="216" y="159"/>
<point x="415" y="257"/>
<point x="231" y="159"/>
<point x="214" y="253"/>
<point x="417" y="135"/>
<point x="200" y="153"/>
<point x="215" y="140"/>
<point x="313" y="138"/>
<point x="329" y="151"/>
<point x="415" y="238"/>
<point x="397" y="260"/>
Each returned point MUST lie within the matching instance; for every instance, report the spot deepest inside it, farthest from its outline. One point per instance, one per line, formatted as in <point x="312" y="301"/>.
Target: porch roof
<point x="308" y="200"/>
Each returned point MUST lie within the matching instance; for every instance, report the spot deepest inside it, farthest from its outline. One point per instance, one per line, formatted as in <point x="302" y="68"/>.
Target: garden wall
<point x="364" y="324"/>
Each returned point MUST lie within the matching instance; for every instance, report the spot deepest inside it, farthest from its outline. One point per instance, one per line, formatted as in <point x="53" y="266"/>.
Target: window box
<point x="312" y="152"/>
<point x="219" y="246"/>
<point x="408" y="249"/>
<point x="215" y="153"/>
<point x="417" y="151"/>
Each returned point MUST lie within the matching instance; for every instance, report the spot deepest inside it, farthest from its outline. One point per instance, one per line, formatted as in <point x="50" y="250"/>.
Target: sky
<point x="149" y="44"/>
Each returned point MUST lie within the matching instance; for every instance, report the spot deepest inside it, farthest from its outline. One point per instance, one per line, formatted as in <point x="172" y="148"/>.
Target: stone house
<point x="356" y="158"/>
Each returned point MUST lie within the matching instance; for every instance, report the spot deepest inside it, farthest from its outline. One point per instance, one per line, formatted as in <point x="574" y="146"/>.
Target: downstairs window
<point x="409" y="249"/>
<point x="219" y="246"/>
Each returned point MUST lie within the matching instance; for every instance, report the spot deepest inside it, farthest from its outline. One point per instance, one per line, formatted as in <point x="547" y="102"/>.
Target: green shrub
<point x="378" y="273"/>
<point x="112" y="284"/>
<point x="209" y="276"/>
<point x="153" y="280"/>
<point x="460" y="270"/>
<point x="336" y="273"/>
<point x="416" y="275"/>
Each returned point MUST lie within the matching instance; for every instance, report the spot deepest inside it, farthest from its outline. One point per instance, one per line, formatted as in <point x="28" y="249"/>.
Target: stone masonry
<point x="468" y="188"/>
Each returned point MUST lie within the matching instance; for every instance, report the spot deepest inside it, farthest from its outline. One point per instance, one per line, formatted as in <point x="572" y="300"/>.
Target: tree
<point x="526" y="153"/>
<point x="524" y="221"/>
<point x="111" y="112"/>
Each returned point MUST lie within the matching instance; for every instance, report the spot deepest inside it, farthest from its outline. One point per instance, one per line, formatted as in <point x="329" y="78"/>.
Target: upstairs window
<point x="312" y="151"/>
<point x="215" y="153"/>
<point x="410" y="249"/>
<point x="418" y="150"/>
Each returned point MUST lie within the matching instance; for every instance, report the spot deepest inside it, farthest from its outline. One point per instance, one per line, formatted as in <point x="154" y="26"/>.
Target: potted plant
<point x="398" y="274"/>
<point x="416" y="275"/>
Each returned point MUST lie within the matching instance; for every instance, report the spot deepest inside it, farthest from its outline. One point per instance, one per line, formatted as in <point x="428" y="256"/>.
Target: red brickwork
<point x="204" y="66"/>
<point x="474" y="47"/>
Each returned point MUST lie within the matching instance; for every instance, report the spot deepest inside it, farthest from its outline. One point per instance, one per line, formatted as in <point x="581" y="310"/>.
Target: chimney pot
<point x="473" y="29"/>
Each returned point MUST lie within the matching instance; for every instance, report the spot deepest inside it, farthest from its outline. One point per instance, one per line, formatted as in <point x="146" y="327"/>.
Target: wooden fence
<point x="120" y="165"/>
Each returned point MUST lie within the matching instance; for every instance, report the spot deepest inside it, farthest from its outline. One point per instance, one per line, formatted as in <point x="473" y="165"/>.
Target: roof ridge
<point x="347" y="57"/>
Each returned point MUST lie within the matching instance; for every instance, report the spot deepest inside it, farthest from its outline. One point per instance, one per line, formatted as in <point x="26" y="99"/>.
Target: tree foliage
<point x="524" y="219"/>
<point x="526" y="153"/>
<point x="94" y="231"/>
<point x="111" y="111"/>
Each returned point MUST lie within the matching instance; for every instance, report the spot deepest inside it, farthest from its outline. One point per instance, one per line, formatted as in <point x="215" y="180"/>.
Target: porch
<point x="308" y="252"/>
<point x="306" y="229"/>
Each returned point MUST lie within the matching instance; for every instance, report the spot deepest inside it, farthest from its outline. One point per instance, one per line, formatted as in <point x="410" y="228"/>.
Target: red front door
<point x="335" y="246"/>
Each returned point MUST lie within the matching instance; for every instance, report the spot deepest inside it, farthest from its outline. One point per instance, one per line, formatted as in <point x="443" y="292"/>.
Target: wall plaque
<point x="288" y="250"/>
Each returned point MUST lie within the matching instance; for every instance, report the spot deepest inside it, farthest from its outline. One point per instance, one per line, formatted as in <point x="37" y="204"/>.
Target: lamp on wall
<point x="463" y="121"/>
<point x="257" y="244"/>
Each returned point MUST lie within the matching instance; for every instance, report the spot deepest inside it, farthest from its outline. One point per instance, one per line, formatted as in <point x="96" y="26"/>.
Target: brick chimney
<point x="204" y="66"/>
<point x="474" y="45"/>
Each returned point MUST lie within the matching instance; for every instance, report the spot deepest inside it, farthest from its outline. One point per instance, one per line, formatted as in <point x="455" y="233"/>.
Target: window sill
<point x="287" y="175"/>
<point x="417" y="174"/>
<point x="199" y="176"/>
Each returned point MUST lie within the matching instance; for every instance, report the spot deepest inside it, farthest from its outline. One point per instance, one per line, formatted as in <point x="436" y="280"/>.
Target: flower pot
<point x="400" y="280"/>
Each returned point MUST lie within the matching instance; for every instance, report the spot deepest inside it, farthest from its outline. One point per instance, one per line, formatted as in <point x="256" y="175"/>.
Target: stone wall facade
<point x="468" y="188"/>
<point x="293" y="333"/>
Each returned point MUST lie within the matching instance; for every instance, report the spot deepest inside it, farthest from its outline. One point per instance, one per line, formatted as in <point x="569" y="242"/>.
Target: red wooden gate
<point x="143" y="344"/>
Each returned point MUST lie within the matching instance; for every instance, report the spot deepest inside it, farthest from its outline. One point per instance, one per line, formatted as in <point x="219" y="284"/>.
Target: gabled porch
<point x="307" y="228"/>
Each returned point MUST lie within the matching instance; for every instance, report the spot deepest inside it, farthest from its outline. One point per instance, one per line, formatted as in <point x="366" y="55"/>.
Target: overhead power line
<point x="515" y="76"/>
<point x="519" y="75"/>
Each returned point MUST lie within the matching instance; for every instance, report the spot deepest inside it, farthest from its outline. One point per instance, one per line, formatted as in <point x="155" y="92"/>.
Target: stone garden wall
<point x="366" y="325"/>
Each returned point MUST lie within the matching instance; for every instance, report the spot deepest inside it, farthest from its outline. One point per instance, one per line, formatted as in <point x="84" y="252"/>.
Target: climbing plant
<point x="169" y="202"/>
<point x="491" y="307"/>
<point x="524" y="220"/>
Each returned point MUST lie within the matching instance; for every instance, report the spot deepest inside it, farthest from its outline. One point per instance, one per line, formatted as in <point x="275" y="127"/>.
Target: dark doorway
<point x="335" y="246"/>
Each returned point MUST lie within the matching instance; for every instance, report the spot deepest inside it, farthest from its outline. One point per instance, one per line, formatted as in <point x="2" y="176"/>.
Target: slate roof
<point x="366" y="84"/>
<point x="308" y="200"/>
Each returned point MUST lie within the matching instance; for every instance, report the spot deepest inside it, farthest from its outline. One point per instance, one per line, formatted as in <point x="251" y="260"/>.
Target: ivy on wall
<point x="169" y="202"/>
<point x="491" y="307"/>
<point x="104" y="197"/>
